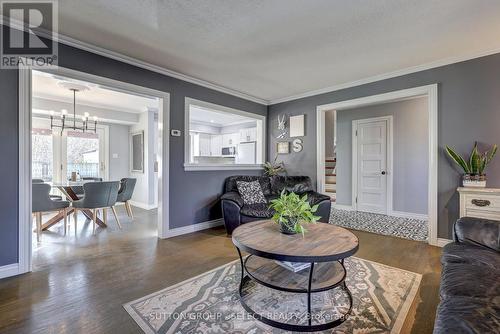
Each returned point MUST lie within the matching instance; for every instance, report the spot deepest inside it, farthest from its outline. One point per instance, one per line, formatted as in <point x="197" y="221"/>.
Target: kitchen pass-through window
<point x="219" y="137"/>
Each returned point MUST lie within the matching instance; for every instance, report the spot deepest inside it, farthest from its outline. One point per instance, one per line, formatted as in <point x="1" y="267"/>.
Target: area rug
<point x="209" y="303"/>
<point x="407" y="228"/>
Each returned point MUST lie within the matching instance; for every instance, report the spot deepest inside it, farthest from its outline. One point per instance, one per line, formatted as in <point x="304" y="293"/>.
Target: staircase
<point x="331" y="178"/>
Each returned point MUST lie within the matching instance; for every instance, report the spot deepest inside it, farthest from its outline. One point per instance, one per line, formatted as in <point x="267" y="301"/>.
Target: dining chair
<point x="78" y="190"/>
<point x="127" y="186"/>
<point x="42" y="202"/>
<point x="54" y="197"/>
<point x="98" y="196"/>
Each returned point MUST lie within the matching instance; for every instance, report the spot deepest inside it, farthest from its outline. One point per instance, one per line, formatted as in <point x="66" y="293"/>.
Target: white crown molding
<point x="384" y="76"/>
<point x="154" y="68"/>
<point x="73" y="42"/>
<point x="184" y="77"/>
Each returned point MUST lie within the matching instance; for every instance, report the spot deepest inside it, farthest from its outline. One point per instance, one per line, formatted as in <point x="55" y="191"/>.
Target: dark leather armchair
<point x="470" y="285"/>
<point x="235" y="212"/>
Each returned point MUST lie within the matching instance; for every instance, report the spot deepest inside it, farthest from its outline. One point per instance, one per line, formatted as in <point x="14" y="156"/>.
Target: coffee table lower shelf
<point x="322" y="276"/>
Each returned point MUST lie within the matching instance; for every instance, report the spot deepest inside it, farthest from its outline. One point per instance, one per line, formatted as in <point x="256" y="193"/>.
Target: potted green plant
<point x="292" y="211"/>
<point x="274" y="168"/>
<point x="474" y="166"/>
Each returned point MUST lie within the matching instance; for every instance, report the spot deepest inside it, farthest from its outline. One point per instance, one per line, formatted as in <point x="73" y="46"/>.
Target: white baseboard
<point x="193" y="228"/>
<point x="342" y="207"/>
<point x="9" y="270"/>
<point x="143" y="205"/>
<point x="408" y="215"/>
<point x="441" y="242"/>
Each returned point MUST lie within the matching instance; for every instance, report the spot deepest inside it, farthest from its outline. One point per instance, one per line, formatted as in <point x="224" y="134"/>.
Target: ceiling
<point x="281" y="48"/>
<point x="50" y="87"/>
<point x="214" y="118"/>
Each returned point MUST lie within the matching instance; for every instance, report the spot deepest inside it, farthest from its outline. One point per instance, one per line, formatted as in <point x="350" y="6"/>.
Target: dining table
<point x="67" y="189"/>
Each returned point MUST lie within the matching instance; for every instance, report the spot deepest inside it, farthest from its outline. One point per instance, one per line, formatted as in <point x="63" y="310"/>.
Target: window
<point x="41" y="154"/>
<point x="219" y="138"/>
<point x="82" y="154"/>
<point x="56" y="155"/>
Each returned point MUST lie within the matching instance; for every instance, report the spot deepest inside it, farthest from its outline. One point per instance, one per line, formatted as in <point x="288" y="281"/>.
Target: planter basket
<point x="474" y="181"/>
<point x="288" y="228"/>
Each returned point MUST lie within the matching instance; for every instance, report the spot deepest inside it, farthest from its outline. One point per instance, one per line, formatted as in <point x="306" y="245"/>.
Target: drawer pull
<point x="480" y="202"/>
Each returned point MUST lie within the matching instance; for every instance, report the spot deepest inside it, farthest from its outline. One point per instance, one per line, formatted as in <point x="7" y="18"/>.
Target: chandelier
<point x="73" y="123"/>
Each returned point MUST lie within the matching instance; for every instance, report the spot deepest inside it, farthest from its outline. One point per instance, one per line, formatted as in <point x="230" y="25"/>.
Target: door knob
<point x="383" y="172"/>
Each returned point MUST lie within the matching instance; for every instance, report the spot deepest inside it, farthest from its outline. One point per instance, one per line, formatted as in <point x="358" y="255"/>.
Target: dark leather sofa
<point x="470" y="279"/>
<point x="235" y="212"/>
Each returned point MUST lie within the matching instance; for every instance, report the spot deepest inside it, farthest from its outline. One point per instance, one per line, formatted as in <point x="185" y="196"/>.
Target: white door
<point x="371" y="159"/>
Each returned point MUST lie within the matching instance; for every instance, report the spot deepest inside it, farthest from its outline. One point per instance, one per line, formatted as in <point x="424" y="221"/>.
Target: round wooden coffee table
<point x="324" y="247"/>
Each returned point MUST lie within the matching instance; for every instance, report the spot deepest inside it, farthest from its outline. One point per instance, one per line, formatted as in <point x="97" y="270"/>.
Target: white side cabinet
<point x="480" y="202"/>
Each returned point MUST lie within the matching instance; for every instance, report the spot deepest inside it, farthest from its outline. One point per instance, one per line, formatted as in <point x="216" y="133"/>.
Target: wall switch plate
<point x="175" y="133"/>
<point x="115" y="155"/>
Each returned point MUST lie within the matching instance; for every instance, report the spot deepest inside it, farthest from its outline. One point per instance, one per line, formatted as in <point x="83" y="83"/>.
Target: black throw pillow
<point x="250" y="192"/>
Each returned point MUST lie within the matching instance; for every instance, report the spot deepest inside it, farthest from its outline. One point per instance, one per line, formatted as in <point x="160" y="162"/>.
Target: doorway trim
<point x="389" y="160"/>
<point x="25" y="114"/>
<point x="431" y="92"/>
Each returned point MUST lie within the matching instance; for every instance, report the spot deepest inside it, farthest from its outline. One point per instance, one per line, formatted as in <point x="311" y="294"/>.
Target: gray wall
<point x="469" y="110"/>
<point x="189" y="204"/>
<point x="410" y="152"/>
<point x="119" y="144"/>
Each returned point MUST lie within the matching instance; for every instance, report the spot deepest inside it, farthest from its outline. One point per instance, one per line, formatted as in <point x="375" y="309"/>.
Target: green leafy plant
<point x="291" y="211"/>
<point x="477" y="162"/>
<point x="274" y="168"/>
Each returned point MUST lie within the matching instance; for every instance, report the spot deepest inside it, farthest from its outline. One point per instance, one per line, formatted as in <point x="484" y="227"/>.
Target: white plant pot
<point x="474" y="184"/>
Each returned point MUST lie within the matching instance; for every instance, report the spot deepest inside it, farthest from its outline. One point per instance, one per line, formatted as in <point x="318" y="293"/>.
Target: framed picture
<point x="283" y="147"/>
<point x="297" y="126"/>
<point x="137" y="152"/>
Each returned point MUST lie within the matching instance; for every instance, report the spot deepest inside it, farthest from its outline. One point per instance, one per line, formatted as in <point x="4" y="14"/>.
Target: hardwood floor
<point x="80" y="281"/>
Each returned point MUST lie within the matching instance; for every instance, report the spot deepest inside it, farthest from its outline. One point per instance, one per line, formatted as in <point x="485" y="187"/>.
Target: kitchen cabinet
<point x="204" y="144"/>
<point x="216" y="145"/>
<point x="248" y="134"/>
<point x="230" y="139"/>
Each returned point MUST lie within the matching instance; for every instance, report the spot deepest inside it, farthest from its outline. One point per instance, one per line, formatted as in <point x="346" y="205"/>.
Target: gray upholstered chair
<point x="98" y="195"/>
<point x="78" y="190"/>
<point x="41" y="202"/>
<point x="54" y="197"/>
<point x="127" y="186"/>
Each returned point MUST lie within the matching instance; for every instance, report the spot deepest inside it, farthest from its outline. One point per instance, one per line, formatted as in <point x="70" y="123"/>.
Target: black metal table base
<point x="310" y="327"/>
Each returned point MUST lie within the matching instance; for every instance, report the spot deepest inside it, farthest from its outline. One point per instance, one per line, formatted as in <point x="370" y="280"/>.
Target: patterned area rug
<point x="209" y="303"/>
<point x="413" y="229"/>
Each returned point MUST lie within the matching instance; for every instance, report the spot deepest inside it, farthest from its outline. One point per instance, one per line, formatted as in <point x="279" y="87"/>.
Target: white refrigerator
<point x="246" y="153"/>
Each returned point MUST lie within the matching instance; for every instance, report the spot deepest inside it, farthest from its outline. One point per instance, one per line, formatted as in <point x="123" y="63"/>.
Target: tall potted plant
<point x="474" y="166"/>
<point x="292" y="211"/>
